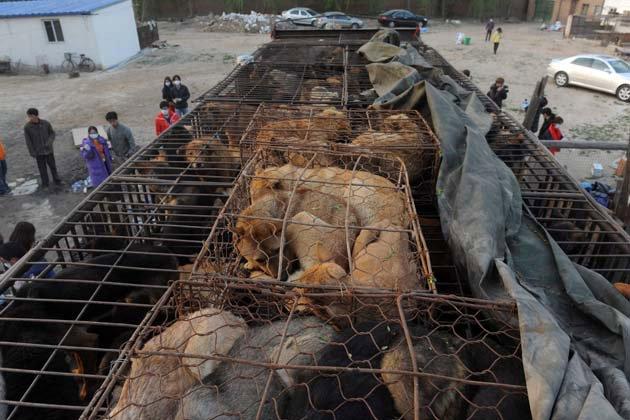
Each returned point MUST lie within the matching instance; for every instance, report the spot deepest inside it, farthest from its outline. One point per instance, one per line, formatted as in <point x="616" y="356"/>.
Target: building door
<point x="544" y="9"/>
<point x="573" y="7"/>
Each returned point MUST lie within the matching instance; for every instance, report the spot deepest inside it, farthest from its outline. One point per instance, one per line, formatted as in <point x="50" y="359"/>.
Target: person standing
<point x="489" y="29"/>
<point x="553" y="133"/>
<point x="4" y="187"/>
<point x="40" y="137"/>
<point x="180" y="95"/>
<point x="498" y="91"/>
<point x="548" y="117"/>
<point x="496" y="38"/>
<point x="120" y="137"/>
<point x="165" y="118"/>
<point x="98" y="158"/>
<point x="166" y="89"/>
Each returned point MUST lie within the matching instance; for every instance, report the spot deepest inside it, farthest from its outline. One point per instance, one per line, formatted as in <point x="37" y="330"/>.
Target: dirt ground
<point x="203" y="58"/>
<point x="522" y="60"/>
<point x="133" y="90"/>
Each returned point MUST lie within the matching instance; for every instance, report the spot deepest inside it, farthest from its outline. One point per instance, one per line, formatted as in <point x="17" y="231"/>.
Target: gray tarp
<point x="574" y="325"/>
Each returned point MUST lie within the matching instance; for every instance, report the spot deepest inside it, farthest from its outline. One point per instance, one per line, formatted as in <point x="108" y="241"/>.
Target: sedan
<point x="399" y="17"/>
<point x="338" y="20"/>
<point x="301" y="15"/>
<point x="598" y="72"/>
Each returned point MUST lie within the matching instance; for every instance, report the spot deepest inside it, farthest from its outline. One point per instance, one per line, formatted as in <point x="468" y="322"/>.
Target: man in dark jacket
<point x="40" y="137"/>
<point x="120" y="137"/>
<point x="498" y="91"/>
<point x="180" y="95"/>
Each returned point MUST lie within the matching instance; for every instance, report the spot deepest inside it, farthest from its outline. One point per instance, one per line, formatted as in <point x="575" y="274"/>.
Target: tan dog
<point x="373" y="197"/>
<point x="398" y="137"/>
<point x="259" y="228"/>
<point x="157" y="382"/>
<point x="325" y="127"/>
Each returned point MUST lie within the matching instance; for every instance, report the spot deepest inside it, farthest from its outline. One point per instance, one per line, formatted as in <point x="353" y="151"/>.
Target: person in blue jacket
<point x="97" y="156"/>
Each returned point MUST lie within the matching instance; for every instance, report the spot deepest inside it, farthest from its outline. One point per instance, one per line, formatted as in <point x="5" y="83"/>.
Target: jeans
<point x="43" y="163"/>
<point x="181" y="111"/>
<point x="488" y="35"/>
<point x="496" y="47"/>
<point x="4" y="187"/>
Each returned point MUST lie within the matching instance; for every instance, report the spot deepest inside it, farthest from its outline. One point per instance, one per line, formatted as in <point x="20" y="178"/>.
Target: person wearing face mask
<point x="180" y="95"/>
<point x="165" y="118"/>
<point x="98" y="157"/>
<point x="166" y="89"/>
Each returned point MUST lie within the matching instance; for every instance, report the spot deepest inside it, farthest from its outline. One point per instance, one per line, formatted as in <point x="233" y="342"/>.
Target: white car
<point x="599" y="72"/>
<point x="301" y="15"/>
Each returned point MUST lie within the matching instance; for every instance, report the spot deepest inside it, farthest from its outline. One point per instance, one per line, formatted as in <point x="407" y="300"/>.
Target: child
<point x="496" y="39"/>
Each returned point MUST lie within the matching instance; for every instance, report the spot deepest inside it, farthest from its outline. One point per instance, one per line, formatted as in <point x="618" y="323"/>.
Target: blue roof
<point x="31" y="8"/>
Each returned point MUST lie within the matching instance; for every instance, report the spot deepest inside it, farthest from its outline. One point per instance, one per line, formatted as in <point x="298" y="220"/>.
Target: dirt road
<point x="133" y="90"/>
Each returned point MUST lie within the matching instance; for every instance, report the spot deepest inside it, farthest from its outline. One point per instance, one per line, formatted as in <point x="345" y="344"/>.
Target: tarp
<point x="574" y="326"/>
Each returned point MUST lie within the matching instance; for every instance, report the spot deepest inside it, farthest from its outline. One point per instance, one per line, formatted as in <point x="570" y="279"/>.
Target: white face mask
<point x="177" y="82"/>
<point x="167" y="83"/>
<point x="93" y="135"/>
<point x="165" y="112"/>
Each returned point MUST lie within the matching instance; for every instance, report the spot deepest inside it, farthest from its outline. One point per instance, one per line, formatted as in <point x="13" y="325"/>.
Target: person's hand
<point x="176" y="100"/>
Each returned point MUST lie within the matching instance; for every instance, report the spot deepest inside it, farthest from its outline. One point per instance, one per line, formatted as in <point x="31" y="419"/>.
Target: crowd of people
<point x="98" y="150"/>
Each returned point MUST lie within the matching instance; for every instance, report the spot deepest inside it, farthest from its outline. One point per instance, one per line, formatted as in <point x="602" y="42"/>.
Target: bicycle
<point x="85" y="64"/>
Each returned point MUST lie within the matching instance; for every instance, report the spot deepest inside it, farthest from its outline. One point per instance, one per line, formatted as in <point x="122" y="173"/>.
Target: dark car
<point x="399" y="17"/>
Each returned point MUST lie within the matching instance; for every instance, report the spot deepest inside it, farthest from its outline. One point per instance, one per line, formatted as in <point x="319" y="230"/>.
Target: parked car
<point x="301" y="15"/>
<point x="338" y="20"/>
<point x="400" y="17"/>
<point x="599" y="72"/>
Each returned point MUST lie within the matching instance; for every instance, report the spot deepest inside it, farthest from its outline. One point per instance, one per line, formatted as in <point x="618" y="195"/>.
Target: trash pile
<point x="253" y="22"/>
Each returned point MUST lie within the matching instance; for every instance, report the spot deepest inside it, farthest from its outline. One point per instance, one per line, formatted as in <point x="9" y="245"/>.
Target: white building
<point x="619" y="6"/>
<point x="37" y="32"/>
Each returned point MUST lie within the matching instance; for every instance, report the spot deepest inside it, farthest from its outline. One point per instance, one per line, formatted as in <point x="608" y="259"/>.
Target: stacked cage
<point x="240" y="349"/>
<point x="105" y="266"/>
<point x="583" y="229"/>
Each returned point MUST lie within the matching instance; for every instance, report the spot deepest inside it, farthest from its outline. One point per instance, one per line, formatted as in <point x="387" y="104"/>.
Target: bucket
<point x="467" y="40"/>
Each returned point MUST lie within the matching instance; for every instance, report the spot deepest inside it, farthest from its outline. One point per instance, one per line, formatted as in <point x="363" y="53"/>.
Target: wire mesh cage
<point x="247" y="352"/>
<point x="329" y="221"/>
<point x="391" y="134"/>
<point x="292" y="83"/>
<point x="69" y="308"/>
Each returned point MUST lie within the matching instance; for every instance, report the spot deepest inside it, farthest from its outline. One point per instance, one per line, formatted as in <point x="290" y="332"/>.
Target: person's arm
<point x="131" y="142"/>
<point x="51" y="134"/>
<point x="185" y="94"/>
<point x="87" y="151"/>
<point x="29" y="142"/>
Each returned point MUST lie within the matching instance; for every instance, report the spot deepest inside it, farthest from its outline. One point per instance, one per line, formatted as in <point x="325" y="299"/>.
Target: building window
<point x="53" y="30"/>
<point x="584" y="10"/>
<point x="597" y="11"/>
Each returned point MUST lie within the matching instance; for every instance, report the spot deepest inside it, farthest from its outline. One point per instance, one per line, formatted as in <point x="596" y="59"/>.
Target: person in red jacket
<point x="165" y="118"/>
<point x="554" y="133"/>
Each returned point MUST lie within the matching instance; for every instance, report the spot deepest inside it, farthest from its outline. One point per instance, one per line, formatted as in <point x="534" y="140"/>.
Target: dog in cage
<point x="321" y="129"/>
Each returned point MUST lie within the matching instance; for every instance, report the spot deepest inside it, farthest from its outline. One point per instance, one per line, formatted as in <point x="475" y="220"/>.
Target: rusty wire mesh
<point x="391" y="134"/>
<point x="239" y="349"/>
<point x="106" y="265"/>
<point x="330" y="220"/>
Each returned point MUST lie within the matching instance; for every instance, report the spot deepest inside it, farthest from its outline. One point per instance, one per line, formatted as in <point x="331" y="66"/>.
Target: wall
<point x="116" y="33"/>
<point x="164" y="9"/>
<point x="24" y="40"/>
<point x="563" y="8"/>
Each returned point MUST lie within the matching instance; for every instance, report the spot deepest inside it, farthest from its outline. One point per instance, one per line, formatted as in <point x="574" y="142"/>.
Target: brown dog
<point x="373" y="197"/>
<point x="259" y="229"/>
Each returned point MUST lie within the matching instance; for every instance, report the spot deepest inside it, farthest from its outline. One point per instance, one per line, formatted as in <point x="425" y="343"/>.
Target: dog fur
<point x="373" y="197"/>
<point x="235" y="389"/>
<point x="156" y="383"/>
<point x="259" y="237"/>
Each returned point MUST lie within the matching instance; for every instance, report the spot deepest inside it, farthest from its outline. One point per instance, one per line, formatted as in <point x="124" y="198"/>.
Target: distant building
<point x="39" y="32"/>
<point x="563" y="8"/>
<point x="621" y="7"/>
